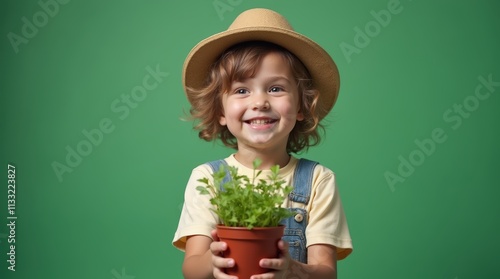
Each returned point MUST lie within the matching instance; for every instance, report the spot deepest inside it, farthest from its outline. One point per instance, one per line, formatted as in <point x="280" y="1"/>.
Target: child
<point x="263" y="89"/>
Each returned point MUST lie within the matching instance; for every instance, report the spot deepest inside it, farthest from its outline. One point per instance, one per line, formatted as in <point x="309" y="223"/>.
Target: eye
<point x="241" y="91"/>
<point x="276" y="89"/>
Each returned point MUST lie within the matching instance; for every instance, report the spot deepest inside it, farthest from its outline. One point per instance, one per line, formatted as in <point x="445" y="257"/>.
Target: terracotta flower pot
<point x="248" y="247"/>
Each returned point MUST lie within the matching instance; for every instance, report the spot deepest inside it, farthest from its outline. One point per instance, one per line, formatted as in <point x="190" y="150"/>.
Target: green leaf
<point x="202" y="190"/>
<point x="256" y="163"/>
<point x="247" y="202"/>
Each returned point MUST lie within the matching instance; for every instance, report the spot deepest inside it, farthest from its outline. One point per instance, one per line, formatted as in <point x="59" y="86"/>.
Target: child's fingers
<point x="280" y="263"/>
<point x="214" y="235"/>
<point x="218" y="262"/>
<point x="217" y="247"/>
<point x="274" y="264"/>
<point x="221" y="263"/>
<point x="219" y="274"/>
<point x="283" y="246"/>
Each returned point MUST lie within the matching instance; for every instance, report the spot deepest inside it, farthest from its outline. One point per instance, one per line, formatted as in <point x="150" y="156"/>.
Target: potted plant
<point x="251" y="211"/>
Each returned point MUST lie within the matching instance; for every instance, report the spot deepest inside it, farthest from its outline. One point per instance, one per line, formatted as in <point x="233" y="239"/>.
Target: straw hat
<point x="265" y="25"/>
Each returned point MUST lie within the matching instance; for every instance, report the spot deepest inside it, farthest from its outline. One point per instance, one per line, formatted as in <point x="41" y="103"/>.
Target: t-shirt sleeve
<point x="196" y="217"/>
<point x="327" y="220"/>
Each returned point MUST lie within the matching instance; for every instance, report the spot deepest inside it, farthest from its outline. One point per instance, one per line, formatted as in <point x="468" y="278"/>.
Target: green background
<point x="115" y="213"/>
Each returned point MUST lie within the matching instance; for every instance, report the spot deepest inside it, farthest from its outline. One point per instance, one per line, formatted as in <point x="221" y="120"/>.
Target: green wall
<point x="413" y="138"/>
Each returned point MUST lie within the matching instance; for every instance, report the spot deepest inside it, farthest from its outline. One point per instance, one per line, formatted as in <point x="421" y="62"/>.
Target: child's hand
<point x="219" y="263"/>
<point x="279" y="265"/>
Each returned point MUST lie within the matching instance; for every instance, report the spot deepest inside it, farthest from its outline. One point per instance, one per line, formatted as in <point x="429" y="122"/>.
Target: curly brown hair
<point x="238" y="63"/>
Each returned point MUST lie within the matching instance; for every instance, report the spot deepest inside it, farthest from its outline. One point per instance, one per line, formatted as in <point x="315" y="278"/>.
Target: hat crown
<point x="260" y="18"/>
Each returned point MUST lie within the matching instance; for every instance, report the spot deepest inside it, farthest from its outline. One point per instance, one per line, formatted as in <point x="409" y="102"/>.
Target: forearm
<point x="198" y="266"/>
<point x="307" y="271"/>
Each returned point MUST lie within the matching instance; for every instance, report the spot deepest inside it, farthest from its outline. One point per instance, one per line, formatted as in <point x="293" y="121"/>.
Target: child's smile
<point x="261" y="123"/>
<point x="262" y="110"/>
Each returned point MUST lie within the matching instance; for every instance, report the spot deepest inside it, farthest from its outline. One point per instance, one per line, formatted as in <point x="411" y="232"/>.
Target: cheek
<point x="290" y="109"/>
<point x="233" y="109"/>
<point x="230" y="110"/>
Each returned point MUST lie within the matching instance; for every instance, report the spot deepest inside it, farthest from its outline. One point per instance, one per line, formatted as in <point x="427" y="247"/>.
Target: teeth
<point x="260" y="121"/>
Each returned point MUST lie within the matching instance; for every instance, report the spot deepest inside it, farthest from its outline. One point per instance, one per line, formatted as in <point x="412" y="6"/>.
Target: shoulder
<point x="204" y="168"/>
<point x="207" y="168"/>
<point x="323" y="178"/>
<point x="319" y="169"/>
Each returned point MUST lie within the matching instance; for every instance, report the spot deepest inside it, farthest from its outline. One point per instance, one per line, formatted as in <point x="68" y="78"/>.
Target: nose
<point x="260" y="102"/>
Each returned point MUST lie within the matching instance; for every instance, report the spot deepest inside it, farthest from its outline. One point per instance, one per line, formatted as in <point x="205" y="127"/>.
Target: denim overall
<point x="295" y="226"/>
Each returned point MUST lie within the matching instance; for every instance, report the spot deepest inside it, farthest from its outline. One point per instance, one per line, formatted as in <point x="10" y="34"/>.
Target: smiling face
<point x="262" y="110"/>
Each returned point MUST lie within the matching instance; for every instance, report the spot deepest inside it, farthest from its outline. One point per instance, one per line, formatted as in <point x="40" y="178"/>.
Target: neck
<point x="269" y="158"/>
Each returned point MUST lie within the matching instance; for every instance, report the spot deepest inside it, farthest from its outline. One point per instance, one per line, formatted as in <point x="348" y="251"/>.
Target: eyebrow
<point x="268" y="80"/>
<point x="278" y="78"/>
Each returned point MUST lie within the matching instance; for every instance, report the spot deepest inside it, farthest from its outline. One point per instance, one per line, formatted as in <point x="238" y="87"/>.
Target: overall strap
<point x="215" y="165"/>
<point x="302" y="181"/>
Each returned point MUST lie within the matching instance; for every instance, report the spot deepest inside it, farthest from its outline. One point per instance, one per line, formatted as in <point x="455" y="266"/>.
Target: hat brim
<point x="320" y="65"/>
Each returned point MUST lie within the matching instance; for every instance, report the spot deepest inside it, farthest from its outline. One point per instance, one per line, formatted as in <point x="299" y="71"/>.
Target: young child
<point x="262" y="89"/>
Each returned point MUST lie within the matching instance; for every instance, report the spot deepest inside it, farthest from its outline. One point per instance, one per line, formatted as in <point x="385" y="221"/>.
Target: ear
<point x="300" y="116"/>
<point x="222" y="120"/>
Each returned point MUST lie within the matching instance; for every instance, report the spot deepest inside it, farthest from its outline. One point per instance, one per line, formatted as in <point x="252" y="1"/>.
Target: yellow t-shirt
<point x="327" y="221"/>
